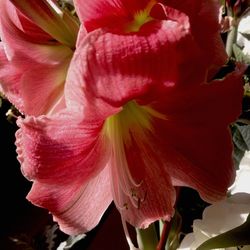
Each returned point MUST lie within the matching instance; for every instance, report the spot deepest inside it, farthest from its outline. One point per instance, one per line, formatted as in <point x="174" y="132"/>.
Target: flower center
<point x="141" y="17"/>
<point x="123" y="130"/>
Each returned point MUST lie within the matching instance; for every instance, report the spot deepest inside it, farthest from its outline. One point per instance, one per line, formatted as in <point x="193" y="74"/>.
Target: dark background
<point x="24" y="226"/>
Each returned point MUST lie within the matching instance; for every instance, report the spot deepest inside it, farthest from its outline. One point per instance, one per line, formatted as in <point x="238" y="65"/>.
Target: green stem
<point x="165" y="229"/>
<point x="231" y="39"/>
<point x="147" y="238"/>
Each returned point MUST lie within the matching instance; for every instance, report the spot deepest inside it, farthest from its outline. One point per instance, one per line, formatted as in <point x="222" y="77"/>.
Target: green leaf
<point x="238" y="236"/>
<point x="241" y="141"/>
<point x="239" y="55"/>
<point x="245" y="132"/>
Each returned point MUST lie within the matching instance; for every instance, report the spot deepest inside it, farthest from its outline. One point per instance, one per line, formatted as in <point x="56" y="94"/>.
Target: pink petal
<point x="32" y="76"/>
<point x="196" y="130"/>
<point x="203" y="17"/>
<point x="135" y="64"/>
<point x="46" y="91"/>
<point x="60" y="148"/>
<point x="10" y="75"/>
<point x="187" y="144"/>
<point x="77" y="207"/>
<point x="113" y="13"/>
<point x="129" y="65"/>
<point x="31" y="30"/>
<point x="142" y="188"/>
<point x="46" y="16"/>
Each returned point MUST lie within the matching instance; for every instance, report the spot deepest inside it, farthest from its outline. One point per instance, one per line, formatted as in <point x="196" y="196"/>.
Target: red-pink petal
<point x="203" y="17"/>
<point x="77" y="207"/>
<point x="183" y="141"/>
<point x="148" y="194"/>
<point x="114" y="13"/>
<point x="196" y="130"/>
<point x="60" y="148"/>
<point x="131" y="65"/>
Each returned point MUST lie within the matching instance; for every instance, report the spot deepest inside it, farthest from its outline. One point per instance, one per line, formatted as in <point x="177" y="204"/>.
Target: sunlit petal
<point x="74" y="151"/>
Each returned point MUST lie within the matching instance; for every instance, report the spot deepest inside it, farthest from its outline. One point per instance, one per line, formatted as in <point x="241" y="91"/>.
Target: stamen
<point x="125" y="205"/>
<point x="136" y="200"/>
<point x="55" y="7"/>
<point x="125" y="228"/>
<point x="122" y="130"/>
<point x="140" y="18"/>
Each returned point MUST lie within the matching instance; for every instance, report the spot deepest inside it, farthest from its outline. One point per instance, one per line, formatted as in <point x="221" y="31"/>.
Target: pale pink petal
<point x="46" y="91"/>
<point x="77" y="207"/>
<point x="62" y="148"/>
<point x="11" y="75"/>
<point x="32" y="74"/>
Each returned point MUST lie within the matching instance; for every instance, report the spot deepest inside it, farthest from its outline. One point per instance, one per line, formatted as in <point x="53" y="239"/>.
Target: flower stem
<point x="164" y="235"/>
<point x="147" y="238"/>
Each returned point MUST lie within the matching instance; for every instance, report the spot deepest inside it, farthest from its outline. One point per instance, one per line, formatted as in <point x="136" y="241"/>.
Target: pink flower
<point x="36" y="48"/>
<point x="142" y="115"/>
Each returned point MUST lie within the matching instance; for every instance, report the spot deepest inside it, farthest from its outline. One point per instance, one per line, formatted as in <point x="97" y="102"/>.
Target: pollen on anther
<point x="125" y="205"/>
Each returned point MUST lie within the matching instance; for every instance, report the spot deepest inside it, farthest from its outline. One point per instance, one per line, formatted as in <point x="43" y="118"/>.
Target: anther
<point x="125" y="206"/>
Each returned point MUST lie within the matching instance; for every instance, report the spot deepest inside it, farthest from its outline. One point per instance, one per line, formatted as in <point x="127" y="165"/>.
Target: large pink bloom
<point x="142" y="115"/>
<point x="37" y="44"/>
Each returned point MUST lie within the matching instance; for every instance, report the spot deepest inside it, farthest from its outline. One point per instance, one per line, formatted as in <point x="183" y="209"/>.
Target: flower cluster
<point x="120" y="100"/>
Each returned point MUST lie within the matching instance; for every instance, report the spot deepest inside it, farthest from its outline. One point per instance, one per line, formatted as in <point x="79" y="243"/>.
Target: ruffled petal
<point x="60" y="148"/>
<point x="32" y="74"/>
<point x="77" y="207"/>
<point x="131" y="65"/>
<point x="202" y="15"/>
